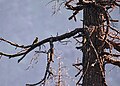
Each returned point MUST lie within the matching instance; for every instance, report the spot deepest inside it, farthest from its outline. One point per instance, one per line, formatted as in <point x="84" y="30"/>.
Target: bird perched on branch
<point x="35" y="41"/>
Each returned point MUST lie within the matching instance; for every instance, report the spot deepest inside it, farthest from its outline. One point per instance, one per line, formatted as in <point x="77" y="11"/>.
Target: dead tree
<point x="99" y="38"/>
<point x="96" y="38"/>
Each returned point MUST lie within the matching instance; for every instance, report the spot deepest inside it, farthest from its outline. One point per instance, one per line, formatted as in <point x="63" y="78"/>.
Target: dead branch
<point x="112" y="61"/>
<point x="46" y="76"/>
<point x="114" y="29"/>
<point x="79" y="72"/>
<point x="115" y="45"/>
<point x="29" y="48"/>
<point x="51" y="51"/>
<point x="88" y="65"/>
<point x="114" y="37"/>
<point x="11" y="43"/>
<point x="111" y="54"/>
<point x="77" y="65"/>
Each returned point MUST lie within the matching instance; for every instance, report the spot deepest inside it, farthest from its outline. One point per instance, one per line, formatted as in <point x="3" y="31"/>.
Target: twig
<point x="112" y="61"/>
<point x="47" y="74"/>
<point x="11" y="43"/>
<point x="111" y="54"/>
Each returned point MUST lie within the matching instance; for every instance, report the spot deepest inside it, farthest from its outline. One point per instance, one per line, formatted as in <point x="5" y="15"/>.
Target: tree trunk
<point x="93" y="68"/>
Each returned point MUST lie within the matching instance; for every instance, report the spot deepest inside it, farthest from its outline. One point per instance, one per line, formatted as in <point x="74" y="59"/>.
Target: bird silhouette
<point x="35" y="41"/>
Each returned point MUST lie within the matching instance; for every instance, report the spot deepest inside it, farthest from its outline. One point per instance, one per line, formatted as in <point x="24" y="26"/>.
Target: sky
<point x="20" y="22"/>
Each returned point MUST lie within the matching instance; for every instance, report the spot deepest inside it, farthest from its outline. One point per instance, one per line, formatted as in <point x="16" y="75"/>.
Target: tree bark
<point x="93" y="69"/>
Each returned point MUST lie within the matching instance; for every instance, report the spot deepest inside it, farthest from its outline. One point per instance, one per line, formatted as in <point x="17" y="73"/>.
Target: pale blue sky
<point x="21" y="21"/>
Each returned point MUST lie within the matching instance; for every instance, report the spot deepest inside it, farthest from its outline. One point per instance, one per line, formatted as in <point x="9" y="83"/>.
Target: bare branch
<point x="46" y="76"/>
<point x="12" y="55"/>
<point x="115" y="45"/>
<point x="11" y="43"/>
<point x="114" y="37"/>
<point x="111" y="54"/>
<point x="29" y="48"/>
<point x="112" y="61"/>
<point x="114" y="29"/>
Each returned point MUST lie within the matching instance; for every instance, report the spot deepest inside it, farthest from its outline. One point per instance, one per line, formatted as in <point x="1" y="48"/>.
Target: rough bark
<point x="93" y="69"/>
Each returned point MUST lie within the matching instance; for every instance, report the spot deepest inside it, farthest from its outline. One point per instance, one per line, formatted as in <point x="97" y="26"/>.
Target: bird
<point x="35" y="41"/>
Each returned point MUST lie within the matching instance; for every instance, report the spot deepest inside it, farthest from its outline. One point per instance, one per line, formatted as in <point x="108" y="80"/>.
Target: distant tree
<point x="99" y="39"/>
